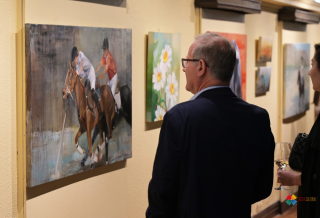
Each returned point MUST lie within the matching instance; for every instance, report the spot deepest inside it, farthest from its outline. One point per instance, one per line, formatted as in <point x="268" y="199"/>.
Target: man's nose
<point x="184" y="69"/>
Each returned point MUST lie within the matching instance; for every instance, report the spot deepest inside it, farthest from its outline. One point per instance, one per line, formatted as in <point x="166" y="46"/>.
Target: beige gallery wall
<point x="121" y="193"/>
<point x="8" y="169"/>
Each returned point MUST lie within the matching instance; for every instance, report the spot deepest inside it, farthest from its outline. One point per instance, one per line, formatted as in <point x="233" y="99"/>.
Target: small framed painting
<point x="263" y="80"/>
<point x="163" y="74"/>
<point x="264" y="53"/>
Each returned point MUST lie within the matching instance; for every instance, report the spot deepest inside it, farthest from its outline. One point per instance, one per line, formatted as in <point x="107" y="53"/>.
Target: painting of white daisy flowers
<point x="163" y="74"/>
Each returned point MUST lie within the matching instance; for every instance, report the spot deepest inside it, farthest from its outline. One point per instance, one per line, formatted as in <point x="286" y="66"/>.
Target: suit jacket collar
<point x="225" y="91"/>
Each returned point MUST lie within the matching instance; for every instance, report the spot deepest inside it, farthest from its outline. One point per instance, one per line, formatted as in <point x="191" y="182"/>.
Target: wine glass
<point x="283" y="162"/>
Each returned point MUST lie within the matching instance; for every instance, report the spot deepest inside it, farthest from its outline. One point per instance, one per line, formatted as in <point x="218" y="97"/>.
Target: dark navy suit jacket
<point x="214" y="158"/>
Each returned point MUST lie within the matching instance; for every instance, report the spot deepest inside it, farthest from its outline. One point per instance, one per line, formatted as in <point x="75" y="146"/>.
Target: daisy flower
<point x="159" y="113"/>
<point x="158" y="78"/>
<point x="166" y="58"/>
<point x="172" y="89"/>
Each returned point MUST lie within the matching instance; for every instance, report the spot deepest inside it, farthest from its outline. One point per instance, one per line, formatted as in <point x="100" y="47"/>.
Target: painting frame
<point x="296" y="89"/>
<point x="163" y="74"/>
<point x="263" y="78"/>
<point x="264" y="49"/>
<point x="51" y="122"/>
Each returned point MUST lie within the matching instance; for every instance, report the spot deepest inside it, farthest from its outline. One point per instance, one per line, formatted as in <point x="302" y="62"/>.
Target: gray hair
<point x="218" y="53"/>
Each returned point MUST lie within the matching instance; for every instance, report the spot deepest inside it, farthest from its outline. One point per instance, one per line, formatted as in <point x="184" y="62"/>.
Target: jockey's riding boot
<point x="96" y="100"/>
<point x="116" y="107"/>
<point x="117" y="111"/>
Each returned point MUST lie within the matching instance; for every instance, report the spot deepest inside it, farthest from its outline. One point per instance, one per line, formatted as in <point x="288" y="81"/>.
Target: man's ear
<point x="201" y="68"/>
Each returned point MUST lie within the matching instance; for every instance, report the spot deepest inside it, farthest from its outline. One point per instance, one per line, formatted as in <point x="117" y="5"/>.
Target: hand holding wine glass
<point x="284" y="148"/>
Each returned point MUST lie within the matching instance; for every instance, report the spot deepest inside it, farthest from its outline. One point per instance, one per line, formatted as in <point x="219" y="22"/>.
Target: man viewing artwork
<point x="214" y="148"/>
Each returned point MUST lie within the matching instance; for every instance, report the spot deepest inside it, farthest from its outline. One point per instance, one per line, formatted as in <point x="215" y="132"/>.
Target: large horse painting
<point x="68" y="130"/>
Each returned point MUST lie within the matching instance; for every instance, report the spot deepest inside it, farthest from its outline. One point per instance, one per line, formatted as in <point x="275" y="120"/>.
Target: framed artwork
<point x="163" y="74"/>
<point x="68" y="130"/>
<point x="263" y="80"/>
<point x="296" y="80"/>
<point x="264" y="53"/>
<point x="238" y="80"/>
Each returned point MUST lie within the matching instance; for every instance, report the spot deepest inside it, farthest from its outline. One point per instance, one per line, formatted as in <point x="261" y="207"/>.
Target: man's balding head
<point x="218" y="53"/>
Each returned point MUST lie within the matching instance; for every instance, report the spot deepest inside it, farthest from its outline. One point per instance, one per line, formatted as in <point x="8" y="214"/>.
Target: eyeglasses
<point x="184" y="61"/>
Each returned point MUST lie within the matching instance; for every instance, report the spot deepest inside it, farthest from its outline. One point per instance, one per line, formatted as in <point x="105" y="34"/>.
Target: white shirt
<point x="203" y="90"/>
<point x="86" y="64"/>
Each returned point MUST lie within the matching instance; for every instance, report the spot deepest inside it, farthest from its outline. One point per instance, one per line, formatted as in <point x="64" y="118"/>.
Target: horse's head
<point x="69" y="81"/>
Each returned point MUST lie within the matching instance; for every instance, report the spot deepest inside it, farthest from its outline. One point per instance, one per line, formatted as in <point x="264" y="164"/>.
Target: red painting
<point x="241" y="41"/>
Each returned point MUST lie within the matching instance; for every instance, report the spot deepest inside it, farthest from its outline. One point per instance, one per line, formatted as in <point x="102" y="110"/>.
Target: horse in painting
<point x="88" y="114"/>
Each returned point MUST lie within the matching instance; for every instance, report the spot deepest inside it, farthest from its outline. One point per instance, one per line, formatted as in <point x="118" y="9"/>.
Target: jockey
<point x="85" y="69"/>
<point x="110" y="69"/>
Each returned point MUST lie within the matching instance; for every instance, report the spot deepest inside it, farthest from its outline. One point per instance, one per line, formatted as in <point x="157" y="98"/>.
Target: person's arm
<point x="81" y="67"/>
<point x="100" y="64"/>
<point x="106" y="68"/>
<point x="98" y="68"/>
<point x="164" y="185"/>
<point x="289" y="178"/>
<point x="264" y="181"/>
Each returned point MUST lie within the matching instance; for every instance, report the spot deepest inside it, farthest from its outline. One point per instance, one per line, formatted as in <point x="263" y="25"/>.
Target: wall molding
<point x="265" y="6"/>
<point x="270" y="212"/>
<point x="241" y="6"/>
<point x="274" y="209"/>
<point x="296" y="15"/>
<point x="301" y="4"/>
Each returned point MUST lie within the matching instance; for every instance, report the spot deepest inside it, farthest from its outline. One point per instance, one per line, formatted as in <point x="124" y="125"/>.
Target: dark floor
<point x="291" y="213"/>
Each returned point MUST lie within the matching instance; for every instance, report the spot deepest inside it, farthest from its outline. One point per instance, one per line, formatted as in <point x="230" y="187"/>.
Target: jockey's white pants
<point x="113" y="85"/>
<point x="92" y="78"/>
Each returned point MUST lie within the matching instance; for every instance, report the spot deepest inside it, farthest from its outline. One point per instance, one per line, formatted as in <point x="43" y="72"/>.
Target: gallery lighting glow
<point x="318" y="1"/>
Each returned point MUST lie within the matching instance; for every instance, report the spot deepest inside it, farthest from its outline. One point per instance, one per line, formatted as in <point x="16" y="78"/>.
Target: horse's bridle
<point x="69" y="91"/>
<point x="68" y="86"/>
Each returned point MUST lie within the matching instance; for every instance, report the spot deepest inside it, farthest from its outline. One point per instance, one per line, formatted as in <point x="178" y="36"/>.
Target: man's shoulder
<point x="258" y="114"/>
<point x="186" y="107"/>
<point x="258" y="109"/>
<point x="110" y="57"/>
<point x="179" y="112"/>
<point x="200" y="105"/>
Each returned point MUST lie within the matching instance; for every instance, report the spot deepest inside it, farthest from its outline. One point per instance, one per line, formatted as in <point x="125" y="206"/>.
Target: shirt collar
<point x="203" y="90"/>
